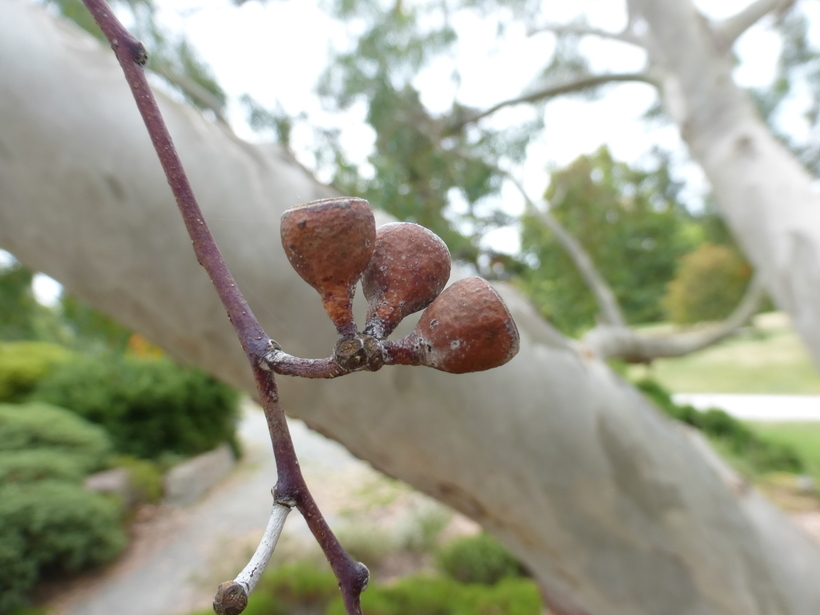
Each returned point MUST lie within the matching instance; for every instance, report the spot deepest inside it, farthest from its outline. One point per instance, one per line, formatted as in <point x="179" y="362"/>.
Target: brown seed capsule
<point x="329" y="243"/>
<point x="410" y="266"/>
<point x="466" y="329"/>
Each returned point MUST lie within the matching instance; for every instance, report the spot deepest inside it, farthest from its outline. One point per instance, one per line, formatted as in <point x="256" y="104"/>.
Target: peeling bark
<point x="608" y="502"/>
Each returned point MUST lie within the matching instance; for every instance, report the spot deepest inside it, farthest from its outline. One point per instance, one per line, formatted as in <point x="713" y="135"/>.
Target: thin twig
<point x="625" y="36"/>
<point x="609" y="309"/>
<point x="290" y="489"/>
<point x="232" y="596"/>
<point x="551" y="91"/>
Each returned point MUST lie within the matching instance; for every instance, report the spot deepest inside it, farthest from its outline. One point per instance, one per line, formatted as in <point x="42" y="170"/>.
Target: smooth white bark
<point x="607" y="341"/>
<point x="608" y="502"/>
<point x="764" y="194"/>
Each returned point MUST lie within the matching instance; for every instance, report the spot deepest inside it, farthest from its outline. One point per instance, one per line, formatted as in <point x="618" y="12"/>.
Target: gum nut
<point x="409" y="268"/>
<point x="329" y="243"/>
<point x="467" y="329"/>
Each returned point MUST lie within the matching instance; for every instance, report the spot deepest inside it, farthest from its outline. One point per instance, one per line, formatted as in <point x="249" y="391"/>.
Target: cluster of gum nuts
<point x="333" y="243"/>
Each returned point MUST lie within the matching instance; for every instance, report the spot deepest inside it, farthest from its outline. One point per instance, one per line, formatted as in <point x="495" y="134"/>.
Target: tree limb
<point x="608" y="505"/>
<point x="625" y="36"/>
<point x="576" y="85"/>
<point x="610" y="310"/>
<point x="731" y="28"/>
<point x="608" y="342"/>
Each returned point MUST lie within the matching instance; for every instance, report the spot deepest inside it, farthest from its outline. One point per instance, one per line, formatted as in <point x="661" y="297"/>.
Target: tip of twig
<point x="230" y="599"/>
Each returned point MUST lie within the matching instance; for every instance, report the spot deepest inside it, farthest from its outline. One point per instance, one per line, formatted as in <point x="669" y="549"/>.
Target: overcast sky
<point x="275" y="51"/>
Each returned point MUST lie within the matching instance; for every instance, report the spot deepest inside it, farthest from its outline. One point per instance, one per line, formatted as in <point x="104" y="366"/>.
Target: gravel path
<point x="166" y="569"/>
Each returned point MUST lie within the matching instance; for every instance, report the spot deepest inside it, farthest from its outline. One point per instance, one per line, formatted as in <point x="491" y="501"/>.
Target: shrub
<point x="478" y="559"/>
<point x="429" y="595"/>
<point x="39" y="464"/>
<point x="53" y="432"/>
<point x="145" y="477"/>
<point x="150" y="407"/>
<point x="300" y="587"/>
<point x="17" y="574"/>
<point x="707" y="286"/>
<point x="52" y="526"/>
<point x="761" y="454"/>
<point x="23" y="364"/>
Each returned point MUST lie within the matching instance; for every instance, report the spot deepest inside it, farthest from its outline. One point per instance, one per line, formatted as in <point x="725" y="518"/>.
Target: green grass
<point x="803" y="437"/>
<point x="767" y="359"/>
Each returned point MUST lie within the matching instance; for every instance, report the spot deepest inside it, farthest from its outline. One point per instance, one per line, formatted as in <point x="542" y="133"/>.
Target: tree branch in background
<point x="731" y="28"/>
<point x="608" y="342"/>
<point x="576" y="85"/>
<point x="190" y="87"/>
<point x="610" y="310"/>
<point x="625" y="36"/>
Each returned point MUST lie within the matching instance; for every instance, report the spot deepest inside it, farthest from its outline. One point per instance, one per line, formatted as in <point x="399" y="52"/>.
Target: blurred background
<point x="541" y="155"/>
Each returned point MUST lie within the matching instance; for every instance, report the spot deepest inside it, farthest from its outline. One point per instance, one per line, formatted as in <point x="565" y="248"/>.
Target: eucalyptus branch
<point x="731" y="28"/>
<point x="551" y="91"/>
<point x="610" y="310"/>
<point x="625" y="36"/>
<point x="607" y="342"/>
<point x="290" y="489"/>
<point x="332" y="244"/>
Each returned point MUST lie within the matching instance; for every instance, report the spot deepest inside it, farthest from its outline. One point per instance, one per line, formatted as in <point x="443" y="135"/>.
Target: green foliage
<point x="90" y="330"/>
<point x="17" y="574"/>
<point x="632" y="226"/>
<point x="145" y="477"/>
<point x="171" y="57"/>
<point x="303" y="588"/>
<point x="760" y="453"/>
<point x="300" y="587"/>
<point x="23" y="364"/>
<point x="708" y="285"/>
<point x="427" y="168"/>
<point x="49" y="523"/>
<point x="478" y="559"/>
<point x="150" y="407"/>
<point x="803" y="437"/>
<point x="52" y="527"/>
<point x="34" y="427"/>
<point x="40" y="464"/>
<point x="428" y="595"/>
<point x="798" y="75"/>
<point x="17" y="303"/>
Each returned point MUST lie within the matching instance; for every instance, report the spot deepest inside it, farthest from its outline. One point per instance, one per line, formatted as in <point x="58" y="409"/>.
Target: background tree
<point x="611" y="506"/>
<point x="634" y="228"/>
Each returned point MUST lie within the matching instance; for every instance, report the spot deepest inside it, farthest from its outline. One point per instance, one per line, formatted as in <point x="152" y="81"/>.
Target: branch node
<point x="362" y="578"/>
<point x="359" y="353"/>
<point x="140" y="55"/>
<point x="272" y="356"/>
<point x="230" y="599"/>
<point x="285" y="497"/>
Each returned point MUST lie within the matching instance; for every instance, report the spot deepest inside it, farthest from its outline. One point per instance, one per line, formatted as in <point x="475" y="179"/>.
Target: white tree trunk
<point x="764" y="194"/>
<point x="610" y="504"/>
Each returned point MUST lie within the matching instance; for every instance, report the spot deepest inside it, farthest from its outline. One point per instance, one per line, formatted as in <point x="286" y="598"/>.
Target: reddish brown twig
<point x="290" y="489"/>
